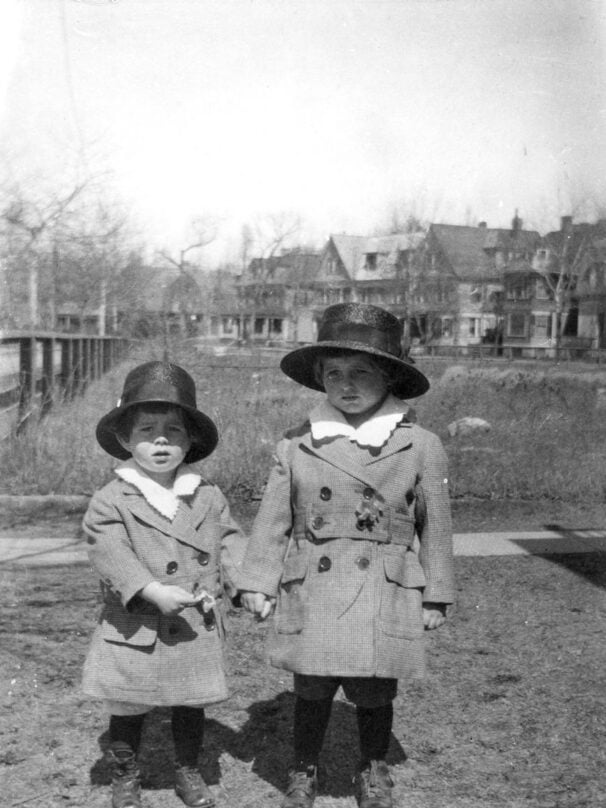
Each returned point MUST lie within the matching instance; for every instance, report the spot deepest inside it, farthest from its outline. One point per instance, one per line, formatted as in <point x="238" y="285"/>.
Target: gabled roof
<point x="570" y="242"/>
<point x="469" y="251"/>
<point x="353" y="252"/>
<point x="289" y="269"/>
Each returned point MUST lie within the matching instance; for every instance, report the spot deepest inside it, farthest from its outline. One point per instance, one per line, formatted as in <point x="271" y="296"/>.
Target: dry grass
<point x="546" y="442"/>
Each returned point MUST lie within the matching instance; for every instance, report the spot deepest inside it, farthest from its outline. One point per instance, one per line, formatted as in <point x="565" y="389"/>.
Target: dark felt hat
<point x="163" y="383"/>
<point x="358" y="327"/>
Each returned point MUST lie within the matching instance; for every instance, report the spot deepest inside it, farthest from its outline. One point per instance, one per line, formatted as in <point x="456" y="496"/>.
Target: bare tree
<point x="560" y="263"/>
<point x="186" y="294"/>
<point x="31" y="227"/>
<point x="268" y="237"/>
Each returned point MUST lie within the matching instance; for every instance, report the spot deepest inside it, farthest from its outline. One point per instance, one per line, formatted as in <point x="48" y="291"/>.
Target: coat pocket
<point x="123" y="628"/>
<point x="401" y="610"/>
<point x="290" y="606"/>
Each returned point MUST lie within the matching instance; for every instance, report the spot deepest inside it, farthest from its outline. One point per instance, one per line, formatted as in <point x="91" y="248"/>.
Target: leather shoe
<point x="373" y="785"/>
<point x="192" y="789"/>
<point x="302" y="788"/>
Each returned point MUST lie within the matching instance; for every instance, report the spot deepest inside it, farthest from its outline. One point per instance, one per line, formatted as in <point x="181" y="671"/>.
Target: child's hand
<point x="169" y="599"/>
<point x="204" y="599"/>
<point x="434" y="615"/>
<point x="257" y="603"/>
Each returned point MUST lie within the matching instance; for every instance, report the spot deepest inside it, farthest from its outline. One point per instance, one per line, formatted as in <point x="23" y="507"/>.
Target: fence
<point x="512" y="352"/>
<point x="38" y="368"/>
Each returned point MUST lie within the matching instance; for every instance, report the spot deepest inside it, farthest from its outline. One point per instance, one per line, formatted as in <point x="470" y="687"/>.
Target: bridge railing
<point x="40" y="368"/>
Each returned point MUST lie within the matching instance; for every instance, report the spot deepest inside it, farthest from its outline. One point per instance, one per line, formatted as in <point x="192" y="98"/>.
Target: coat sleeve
<point x="110" y="550"/>
<point x="233" y="546"/>
<point x="434" y="523"/>
<point x="263" y="563"/>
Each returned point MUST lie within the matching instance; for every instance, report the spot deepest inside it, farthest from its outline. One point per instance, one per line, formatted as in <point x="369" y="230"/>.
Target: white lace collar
<point x="163" y="500"/>
<point x="328" y="422"/>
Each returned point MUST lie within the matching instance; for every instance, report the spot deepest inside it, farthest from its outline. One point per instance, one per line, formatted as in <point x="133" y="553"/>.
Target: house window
<point x="227" y="325"/>
<point x="571" y="326"/>
<point x="214" y="326"/>
<point x="518" y="289"/>
<point x="542" y="326"/>
<point x="541" y="290"/>
<point x="516" y="325"/>
<point x="259" y="325"/>
<point x="446" y="327"/>
<point x="474" y="326"/>
<point x="276" y="325"/>
<point x="371" y="260"/>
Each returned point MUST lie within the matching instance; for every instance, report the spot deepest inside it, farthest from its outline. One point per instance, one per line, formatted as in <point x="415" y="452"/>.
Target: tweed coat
<point x="349" y="598"/>
<point x="138" y="654"/>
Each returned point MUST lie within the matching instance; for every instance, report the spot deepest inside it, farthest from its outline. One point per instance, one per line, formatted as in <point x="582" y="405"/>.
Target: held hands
<point x="434" y="615"/>
<point x="173" y="599"/>
<point x="258" y="604"/>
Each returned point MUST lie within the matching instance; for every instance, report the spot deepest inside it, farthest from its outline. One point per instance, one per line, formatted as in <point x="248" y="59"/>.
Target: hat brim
<point x="204" y="442"/>
<point x="408" y="381"/>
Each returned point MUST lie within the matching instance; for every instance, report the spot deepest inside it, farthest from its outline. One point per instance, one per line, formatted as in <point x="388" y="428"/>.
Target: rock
<point x="467" y="426"/>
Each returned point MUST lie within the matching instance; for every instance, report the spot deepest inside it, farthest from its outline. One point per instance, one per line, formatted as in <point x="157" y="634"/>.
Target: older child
<point x="334" y="542"/>
<point x="165" y="547"/>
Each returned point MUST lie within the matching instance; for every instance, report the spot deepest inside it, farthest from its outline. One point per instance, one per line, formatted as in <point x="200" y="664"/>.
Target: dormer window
<point x="371" y="260"/>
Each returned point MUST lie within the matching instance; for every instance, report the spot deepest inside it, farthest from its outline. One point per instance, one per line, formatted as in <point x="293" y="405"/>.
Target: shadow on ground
<point x="265" y="740"/>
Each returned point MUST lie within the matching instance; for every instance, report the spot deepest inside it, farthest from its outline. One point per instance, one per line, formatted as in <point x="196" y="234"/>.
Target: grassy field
<point x="547" y="439"/>
<point x="512" y="713"/>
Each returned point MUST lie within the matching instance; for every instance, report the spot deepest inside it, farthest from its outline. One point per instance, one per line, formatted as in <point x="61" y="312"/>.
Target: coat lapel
<point x="185" y="524"/>
<point x="335" y="452"/>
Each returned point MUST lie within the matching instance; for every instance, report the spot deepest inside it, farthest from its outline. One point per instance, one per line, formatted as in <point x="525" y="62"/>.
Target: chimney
<point x="482" y="225"/>
<point x="516" y="223"/>
<point x="566" y="224"/>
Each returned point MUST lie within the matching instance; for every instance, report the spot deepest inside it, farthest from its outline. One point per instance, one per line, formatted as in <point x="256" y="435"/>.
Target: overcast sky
<point x="337" y="110"/>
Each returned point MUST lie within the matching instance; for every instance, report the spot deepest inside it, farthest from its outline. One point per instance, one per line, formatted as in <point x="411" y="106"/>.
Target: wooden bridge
<point x="40" y="368"/>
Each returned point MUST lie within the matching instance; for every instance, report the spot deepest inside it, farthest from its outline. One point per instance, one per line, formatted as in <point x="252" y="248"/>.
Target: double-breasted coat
<point x="352" y="542"/>
<point x="137" y="654"/>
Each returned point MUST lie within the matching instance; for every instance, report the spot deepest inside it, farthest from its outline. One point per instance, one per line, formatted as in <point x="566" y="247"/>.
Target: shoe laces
<point x="302" y="781"/>
<point x="190" y="774"/>
<point x="374" y="781"/>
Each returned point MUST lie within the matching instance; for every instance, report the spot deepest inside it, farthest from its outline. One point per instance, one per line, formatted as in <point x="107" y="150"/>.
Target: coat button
<point x="171" y="567"/>
<point x="362" y="562"/>
<point x="368" y="493"/>
<point x="324" y="564"/>
<point x="173" y="630"/>
<point x="325" y="493"/>
<point x="317" y="523"/>
<point x="203" y="558"/>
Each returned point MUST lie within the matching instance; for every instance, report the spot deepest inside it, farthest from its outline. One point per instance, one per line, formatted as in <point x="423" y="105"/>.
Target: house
<point x="359" y="269"/>
<point x="274" y="298"/>
<point x="590" y="291"/>
<point x="456" y="287"/>
<point x="189" y="301"/>
<point x="555" y="301"/>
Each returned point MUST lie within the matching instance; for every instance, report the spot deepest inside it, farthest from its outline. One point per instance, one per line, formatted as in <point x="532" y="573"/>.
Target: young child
<point x="354" y="539"/>
<point x="166" y="548"/>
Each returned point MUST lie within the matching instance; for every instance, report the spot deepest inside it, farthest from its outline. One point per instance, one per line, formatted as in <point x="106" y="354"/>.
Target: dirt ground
<point x="512" y="713"/>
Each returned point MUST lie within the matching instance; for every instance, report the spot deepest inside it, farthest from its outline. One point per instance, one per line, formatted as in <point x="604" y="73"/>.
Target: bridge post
<point x="27" y="377"/>
<point x="48" y="374"/>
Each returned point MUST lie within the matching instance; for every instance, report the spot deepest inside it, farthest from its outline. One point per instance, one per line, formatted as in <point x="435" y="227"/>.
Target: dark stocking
<point x="374" y="726"/>
<point x="126" y="729"/>
<point x="188" y="731"/>
<point x="311" y="720"/>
